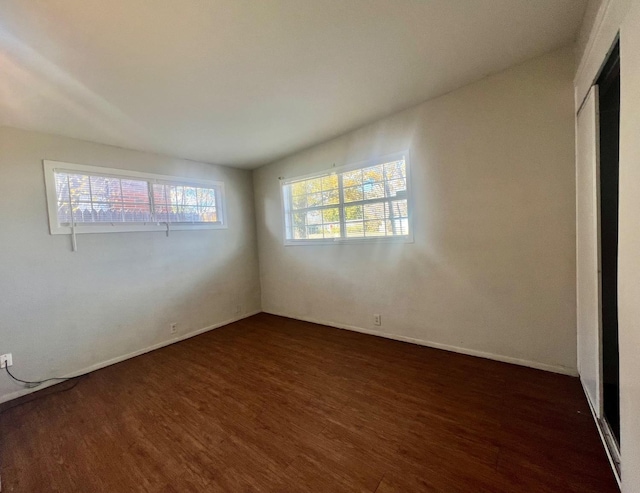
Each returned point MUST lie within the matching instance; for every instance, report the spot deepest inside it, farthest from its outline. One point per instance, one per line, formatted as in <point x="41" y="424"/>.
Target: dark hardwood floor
<point x="271" y="404"/>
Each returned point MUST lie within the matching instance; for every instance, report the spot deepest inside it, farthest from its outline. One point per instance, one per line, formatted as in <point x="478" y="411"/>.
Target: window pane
<point x="82" y="214"/>
<point x="299" y="202"/>
<point x="136" y="213"/>
<point x="314" y="185"/>
<point x="160" y="194"/>
<point x="331" y="197"/>
<point x="162" y="213"/>
<point x="331" y="215"/>
<point x="64" y="213"/>
<point x="62" y="188"/>
<point x="374" y="211"/>
<point x="353" y="212"/>
<point x="373" y="201"/>
<point x="374" y="173"/>
<point x="355" y="229"/>
<point x="79" y="188"/>
<point x="299" y="219"/>
<point x="298" y="188"/>
<point x="330" y="182"/>
<point x="394" y="170"/>
<point x="332" y="230"/>
<point x="374" y="228"/>
<point x="105" y="189"/>
<point x="395" y="186"/>
<point x="314" y="199"/>
<point x="106" y="213"/>
<point x="353" y="194"/>
<point x="190" y="196"/>
<point x="398" y="226"/>
<point x="208" y="214"/>
<point x="91" y="198"/>
<point x="373" y="190"/>
<point x="314" y="217"/>
<point x="63" y="198"/>
<point x="397" y="208"/>
<point x="176" y="194"/>
<point x="137" y="210"/>
<point x="187" y="204"/>
<point x="135" y="191"/>
<point x="397" y="213"/>
<point x="352" y="178"/>
<point x="188" y="213"/>
<point x="98" y="199"/>
<point x="206" y="197"/>
<point x="315" y="231"/>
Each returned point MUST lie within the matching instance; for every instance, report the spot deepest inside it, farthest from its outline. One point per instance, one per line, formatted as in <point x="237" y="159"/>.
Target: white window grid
<point x="167" y="201"/>
<point x="343" y="206"/>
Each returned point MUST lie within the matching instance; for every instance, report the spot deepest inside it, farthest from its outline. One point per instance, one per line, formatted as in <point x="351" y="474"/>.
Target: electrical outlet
<point x="6" y="360"/>
<point x="377" y="320"/>
<point x="173" y="328"/>
<point x="238" y="309"/>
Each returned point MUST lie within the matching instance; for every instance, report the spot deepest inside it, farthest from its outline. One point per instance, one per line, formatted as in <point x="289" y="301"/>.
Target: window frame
<point x="408" y="238"/>
<point x="55" y="228"/>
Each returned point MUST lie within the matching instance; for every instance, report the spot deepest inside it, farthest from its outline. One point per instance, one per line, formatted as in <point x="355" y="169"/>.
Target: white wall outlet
<point x="377" y="320"/>
<point x="173" y="327"/>
<point x="238" y="309"/>
<point x="6" y="360"/>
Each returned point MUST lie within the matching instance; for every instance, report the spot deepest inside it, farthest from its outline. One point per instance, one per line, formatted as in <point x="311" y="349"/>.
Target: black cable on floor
<point x="38" y="382"/>
<point x="36" y="397"/>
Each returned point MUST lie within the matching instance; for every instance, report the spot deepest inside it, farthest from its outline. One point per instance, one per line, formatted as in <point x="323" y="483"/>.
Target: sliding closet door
<point x="587" y="251"/>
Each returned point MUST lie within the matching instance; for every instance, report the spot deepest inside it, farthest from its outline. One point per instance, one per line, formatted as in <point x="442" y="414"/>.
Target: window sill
<point x="132" y="228"/>
<point x="349" y="241"/>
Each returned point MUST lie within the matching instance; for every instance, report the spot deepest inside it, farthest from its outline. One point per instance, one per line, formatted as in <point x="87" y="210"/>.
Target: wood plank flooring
<point x="270" y="404"/>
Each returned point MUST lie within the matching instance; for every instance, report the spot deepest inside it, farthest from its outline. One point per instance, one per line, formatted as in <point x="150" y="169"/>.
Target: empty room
<point x="328" y="246"/>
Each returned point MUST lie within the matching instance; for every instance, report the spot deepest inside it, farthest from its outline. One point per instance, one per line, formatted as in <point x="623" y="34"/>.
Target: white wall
<point x="629" y="250"/>
<point x="61" y="312"/>
<point x="492" y="268"/>
<point x="623" y="16"/>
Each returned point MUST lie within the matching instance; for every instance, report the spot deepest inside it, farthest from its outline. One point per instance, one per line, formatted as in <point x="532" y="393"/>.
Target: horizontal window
<point x="357" y="202"/>
<point x="90" y="199"/>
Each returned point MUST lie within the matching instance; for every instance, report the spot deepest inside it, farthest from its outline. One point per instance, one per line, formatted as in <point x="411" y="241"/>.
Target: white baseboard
<point x="118" y="359"/>
<point x="456" y="349"/>
<point x="608" y="443"/>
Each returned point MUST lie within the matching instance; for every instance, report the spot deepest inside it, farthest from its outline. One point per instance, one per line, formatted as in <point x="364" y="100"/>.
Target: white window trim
<point x="409" y="238"/>
<point x="86" y="228"/>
